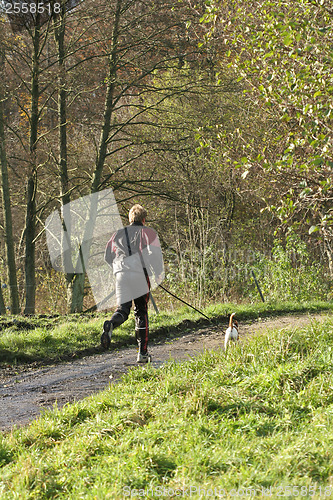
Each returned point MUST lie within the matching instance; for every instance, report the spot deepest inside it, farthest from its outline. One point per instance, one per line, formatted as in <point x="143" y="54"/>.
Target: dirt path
<point x="26" y="393"/>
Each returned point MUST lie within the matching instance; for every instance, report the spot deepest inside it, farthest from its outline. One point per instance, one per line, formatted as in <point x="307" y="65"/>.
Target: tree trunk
<point x="59" y="34"/>
<point x="30" y="230"/>
<point x="328" y="249"/>
<point x="75" y="291"/>
<point x="11" y="265"/>
<point x="77" y="285"/>
<point x="2" y="303"/>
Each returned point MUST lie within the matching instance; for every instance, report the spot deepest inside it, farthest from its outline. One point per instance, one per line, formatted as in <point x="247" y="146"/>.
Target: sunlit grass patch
<point x="260" y="417"/>
<point x="62" y="338"/>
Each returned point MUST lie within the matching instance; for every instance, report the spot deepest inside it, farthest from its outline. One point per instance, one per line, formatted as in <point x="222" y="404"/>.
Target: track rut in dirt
<point x="26" y="392"/>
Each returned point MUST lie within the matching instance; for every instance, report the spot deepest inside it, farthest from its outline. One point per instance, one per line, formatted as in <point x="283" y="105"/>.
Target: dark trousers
<point x="141" y="319"/>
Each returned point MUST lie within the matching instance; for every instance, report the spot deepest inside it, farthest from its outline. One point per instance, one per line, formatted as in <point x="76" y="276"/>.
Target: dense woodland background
<point x="214" y="115"/>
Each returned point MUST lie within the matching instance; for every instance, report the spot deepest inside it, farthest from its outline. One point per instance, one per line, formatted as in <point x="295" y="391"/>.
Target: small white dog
<point x="231" y="332"/>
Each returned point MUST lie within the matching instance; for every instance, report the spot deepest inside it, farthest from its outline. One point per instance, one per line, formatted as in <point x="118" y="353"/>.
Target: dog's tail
<point x="231" y="319"/>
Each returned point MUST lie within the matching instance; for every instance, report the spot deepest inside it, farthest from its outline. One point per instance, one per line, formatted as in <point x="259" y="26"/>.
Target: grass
<point x="44" y="340"/>
<point x="260" y="418"/>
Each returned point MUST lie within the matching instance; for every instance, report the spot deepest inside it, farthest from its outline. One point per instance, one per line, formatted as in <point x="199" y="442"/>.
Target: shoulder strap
<point x="128" y="242"/>
<point x="140" y="254"/>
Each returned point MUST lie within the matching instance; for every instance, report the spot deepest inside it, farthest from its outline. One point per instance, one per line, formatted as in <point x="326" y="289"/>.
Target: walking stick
<point x="259" y="290"/>
<point x="183" y="301"/>
<point x="153" y="302"/>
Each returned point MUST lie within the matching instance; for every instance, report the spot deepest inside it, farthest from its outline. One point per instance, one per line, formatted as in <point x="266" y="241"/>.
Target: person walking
<point x="135" y="255"/>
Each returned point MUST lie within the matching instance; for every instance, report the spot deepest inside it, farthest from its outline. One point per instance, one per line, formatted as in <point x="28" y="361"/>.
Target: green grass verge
<point x="45" y="340"/>
<point x="260" y="418"/>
